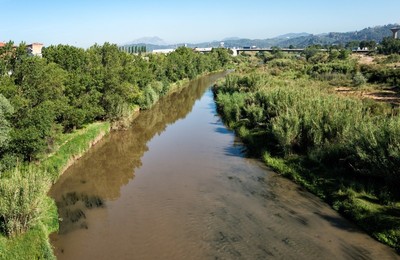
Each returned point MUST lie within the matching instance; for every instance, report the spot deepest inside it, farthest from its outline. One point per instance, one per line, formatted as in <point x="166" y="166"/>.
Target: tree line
<point x="41" y="98"/>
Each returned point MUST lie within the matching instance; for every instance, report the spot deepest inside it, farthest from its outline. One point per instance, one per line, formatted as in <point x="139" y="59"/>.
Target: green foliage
<point x="336" y="146"/>
<point x="310" y="52"/>
<point x="71" y="87"/>
<point x="377" y="146"/>
<point x="75" y="145"/>
<point x="336" y="67"/>
<point x="67" y="57"/>
<point x="370" y="45"/>
<point x="22" y="200"/>
<point x="44" y="99"/>
<point x="308" y="120"/>
<point x="152" y="93"/>
<point x="389" y="45"/>
<point x="319" y="139"/>
<point x="232" y="105"/>
<point x="28" y="190"/>
<point x="380" y="73"/>
<point x="33" y="244"/>
<point x="352" y="45"/>
<point x="359" y="79"/>
<point x="392" y="58"/>
<point x="33" y="131"/>
<point x="6" y="111"/>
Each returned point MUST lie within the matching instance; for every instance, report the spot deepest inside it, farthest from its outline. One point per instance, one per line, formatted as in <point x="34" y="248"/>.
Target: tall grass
<point x="22" y="199"/>
<point x="306" y="119"/>
<point x="341" y="148"/>
<point x="27" y="214"/>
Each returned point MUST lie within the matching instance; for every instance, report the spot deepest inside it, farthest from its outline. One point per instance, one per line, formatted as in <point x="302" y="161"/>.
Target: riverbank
<point x="342" y="149"/>
<point x="34" y="243"/>
<point x="104" y="83"/>
<point x="71" y="147"/>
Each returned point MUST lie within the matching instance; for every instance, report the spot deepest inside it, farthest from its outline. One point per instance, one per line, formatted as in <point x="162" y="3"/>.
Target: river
<point x="177" y="185"/>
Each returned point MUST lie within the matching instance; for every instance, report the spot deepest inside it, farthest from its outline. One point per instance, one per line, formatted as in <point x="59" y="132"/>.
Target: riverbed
<point x="178" y="185"/>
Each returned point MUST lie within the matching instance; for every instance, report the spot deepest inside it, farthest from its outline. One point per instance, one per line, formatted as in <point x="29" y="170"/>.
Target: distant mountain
<point x="292" y="35"/>
<point x="298" y="40"/>
<point x="148" y="40"/>
<point x="376" y="33"/>
<point x="231" y="39"/>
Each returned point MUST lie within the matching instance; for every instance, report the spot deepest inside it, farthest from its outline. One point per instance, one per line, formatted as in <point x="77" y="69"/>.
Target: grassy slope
<point x="73" y="146"/>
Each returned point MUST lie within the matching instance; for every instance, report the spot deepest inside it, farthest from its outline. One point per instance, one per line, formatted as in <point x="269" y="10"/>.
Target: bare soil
<point x="386" y="94"/>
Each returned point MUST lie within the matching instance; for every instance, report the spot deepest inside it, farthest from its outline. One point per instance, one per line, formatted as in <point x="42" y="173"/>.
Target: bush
<point x="392" y="58"/>
<point x="232" y="105"/>
<point x="389" y="46"/>
<point x="359" y="79"/>
<point x="22" y="200"/>
<point x="377" y="149"/>
<point x="327" y="128"/>
<point x="344" y="149"/>
<point x="6" y="110"/>
<point x="149" y="98"/>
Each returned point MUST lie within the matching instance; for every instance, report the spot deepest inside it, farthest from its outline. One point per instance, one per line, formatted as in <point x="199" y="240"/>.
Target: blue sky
<point x="85" y="22"/>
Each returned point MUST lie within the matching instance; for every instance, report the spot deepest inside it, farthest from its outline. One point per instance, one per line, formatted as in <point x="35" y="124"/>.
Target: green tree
<point x="69" y="58"/>
<point x="6" y="110"/>
<point x="39" y="81"/>
<point x="7" y="53"/>
<point x="33" y="131"/>
<point x="222" y="56"/>
<point x="352" y="45"/>
<point x="370" y="45"/>
<point x="389" y="46"/>
<point x="37" y="106"/>
<point x="311" y="51"/>
<point x="344" y="54"/>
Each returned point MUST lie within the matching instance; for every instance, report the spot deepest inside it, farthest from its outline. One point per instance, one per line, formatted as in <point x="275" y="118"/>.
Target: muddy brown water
<point x="177" y="185"/>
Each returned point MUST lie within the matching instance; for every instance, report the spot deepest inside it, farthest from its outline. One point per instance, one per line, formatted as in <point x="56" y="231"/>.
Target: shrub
<point x="6" y="110"/>
<point x="359" y="79"/>
<point x="286" y="129"/>
<point x="392" y="58"/>
<point x="22" y="200"/>
<point x="232" y="105"/>
<point x="149" y="98"/>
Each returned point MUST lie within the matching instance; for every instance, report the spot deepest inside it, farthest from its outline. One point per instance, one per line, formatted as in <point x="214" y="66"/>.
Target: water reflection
<point x="100" y="174"/>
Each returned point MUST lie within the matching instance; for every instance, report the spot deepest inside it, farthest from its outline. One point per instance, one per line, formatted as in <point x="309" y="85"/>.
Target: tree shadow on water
<point x="339" y="222"/>
<point x="72" y="209"/>
<point x="222" y="130"/>
<point x="236" y="151"/>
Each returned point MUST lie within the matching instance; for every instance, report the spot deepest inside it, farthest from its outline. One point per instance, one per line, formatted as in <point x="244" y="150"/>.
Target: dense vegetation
<point x="389" y="46"/>
<point x="43" y="104"/>
<point x="342" y="148"/>
<point x="70" y="87"/>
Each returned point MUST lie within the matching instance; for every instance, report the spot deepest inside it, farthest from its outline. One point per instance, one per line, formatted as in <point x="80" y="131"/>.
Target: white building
<point x="203" y="49"/>
<point x="35" y="49"/>
<point x="164" y="51"/>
